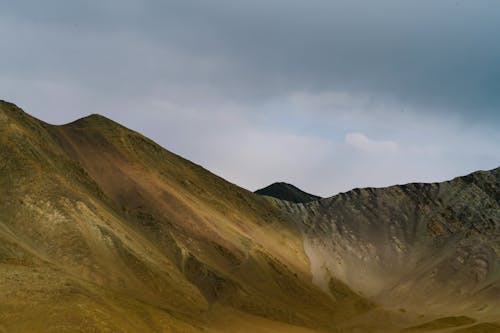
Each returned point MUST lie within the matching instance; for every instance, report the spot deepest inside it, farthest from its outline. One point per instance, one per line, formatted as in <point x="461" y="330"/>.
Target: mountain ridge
<point x="133" y="205"/>
<point x="103" y="229"/>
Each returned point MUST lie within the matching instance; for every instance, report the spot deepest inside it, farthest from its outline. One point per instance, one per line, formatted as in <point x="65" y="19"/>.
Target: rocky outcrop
<point x="436" y="244"/>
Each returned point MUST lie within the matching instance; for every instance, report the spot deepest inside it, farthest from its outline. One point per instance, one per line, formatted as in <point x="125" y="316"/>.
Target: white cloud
<point x="362" y="142"/>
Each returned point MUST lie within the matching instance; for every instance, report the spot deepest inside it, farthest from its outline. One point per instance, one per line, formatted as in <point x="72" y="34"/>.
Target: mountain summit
<point x="287" y="192"/>
<point x="103" y="230"/>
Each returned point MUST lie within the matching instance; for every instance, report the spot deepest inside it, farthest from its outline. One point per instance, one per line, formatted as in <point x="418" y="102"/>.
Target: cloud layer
<point x="328" y="95"/>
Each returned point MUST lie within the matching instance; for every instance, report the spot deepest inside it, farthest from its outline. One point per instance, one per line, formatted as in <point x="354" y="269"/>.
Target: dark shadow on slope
<point x="287" y="192"/>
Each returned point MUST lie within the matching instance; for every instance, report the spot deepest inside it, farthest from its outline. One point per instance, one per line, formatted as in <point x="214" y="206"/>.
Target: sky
<point x="328" y="95"/>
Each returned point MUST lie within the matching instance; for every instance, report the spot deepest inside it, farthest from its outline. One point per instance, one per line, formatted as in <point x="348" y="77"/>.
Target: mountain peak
<point x="95" y="216"/>
<point x="93" y="120"/>
<point x="10" y="109"/>
<point x="287" y="192"/>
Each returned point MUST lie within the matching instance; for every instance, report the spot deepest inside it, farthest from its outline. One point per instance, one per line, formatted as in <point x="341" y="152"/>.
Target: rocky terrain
<point x="416" y="246"/>
<point x="102" y="230"/>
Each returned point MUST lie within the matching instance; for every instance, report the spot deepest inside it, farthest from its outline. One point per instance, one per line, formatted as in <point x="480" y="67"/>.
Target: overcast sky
<point x="325" y="94"/>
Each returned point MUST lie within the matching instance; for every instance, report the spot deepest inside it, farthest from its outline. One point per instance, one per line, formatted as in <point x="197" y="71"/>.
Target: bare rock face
<point x="435" y="244"/>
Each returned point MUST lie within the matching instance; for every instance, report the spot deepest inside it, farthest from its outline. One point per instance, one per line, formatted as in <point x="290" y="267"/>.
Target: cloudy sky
<point x="326" y="94"/>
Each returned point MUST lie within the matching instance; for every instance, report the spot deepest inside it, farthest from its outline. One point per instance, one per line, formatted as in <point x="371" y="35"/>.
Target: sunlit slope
<point x="67" y="256"/>
<point x="102" y="229"/>
<point x="233" y="245"/>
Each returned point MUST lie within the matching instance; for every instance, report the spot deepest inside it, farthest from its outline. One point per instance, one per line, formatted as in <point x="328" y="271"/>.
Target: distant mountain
<point x="103" y="230"/>
<point x="287" y="192"/>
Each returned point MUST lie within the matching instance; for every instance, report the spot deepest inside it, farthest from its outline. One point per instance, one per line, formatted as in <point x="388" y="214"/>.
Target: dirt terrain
<point x="102" y="230"/>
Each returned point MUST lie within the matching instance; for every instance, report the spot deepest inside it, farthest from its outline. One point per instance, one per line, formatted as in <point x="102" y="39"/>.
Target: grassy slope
<point x="102" y="229"/>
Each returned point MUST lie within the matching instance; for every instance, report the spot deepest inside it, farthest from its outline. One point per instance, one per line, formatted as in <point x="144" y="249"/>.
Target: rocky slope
<point x="103" y="230"/>
<point x="430" y="248"/>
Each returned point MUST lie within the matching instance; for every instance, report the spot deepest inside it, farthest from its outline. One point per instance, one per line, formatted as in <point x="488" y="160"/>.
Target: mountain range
<point x="103" y="230"/>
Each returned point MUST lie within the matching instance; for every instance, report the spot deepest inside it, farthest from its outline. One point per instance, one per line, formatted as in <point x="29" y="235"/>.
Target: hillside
<point x="420" y="248"/>
<point x="102" y="227"/>
<point x="103" y="230"/>
<point x="287" y="192"/>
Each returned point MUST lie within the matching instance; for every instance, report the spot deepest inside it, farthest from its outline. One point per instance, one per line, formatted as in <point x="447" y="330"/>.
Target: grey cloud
<point x="207" y="78"/>
<point x="435" y="55"/>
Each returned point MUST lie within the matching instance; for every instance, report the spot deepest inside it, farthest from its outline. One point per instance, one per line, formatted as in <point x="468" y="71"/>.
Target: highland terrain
<point x="103" y="230"/>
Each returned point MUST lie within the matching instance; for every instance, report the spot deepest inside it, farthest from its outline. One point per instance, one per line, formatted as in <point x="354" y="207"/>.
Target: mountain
<point x="422" y="247"/>
<point x="287" y="192"/>
<point x="103" y="230"/>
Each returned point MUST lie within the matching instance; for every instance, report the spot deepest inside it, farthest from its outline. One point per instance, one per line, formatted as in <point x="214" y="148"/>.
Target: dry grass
<point x="102" y="230"/>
